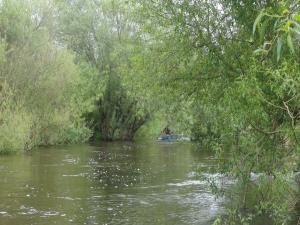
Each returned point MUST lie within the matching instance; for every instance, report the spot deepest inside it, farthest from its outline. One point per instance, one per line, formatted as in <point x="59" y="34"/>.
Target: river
<point x="108" y="183"/>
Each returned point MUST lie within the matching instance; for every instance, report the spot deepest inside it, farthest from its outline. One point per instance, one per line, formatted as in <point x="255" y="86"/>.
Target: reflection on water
<point x="109" y="183"/>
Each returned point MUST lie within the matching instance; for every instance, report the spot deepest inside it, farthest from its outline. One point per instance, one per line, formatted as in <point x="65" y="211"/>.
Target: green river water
<point x="108" y="183"/>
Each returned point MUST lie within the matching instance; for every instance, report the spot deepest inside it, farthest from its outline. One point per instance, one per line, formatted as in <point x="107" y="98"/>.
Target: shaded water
<point x="112" y="183"/>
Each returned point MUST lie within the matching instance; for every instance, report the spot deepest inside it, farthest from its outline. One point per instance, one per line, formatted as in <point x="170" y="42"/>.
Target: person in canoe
<point x="162" y="133"/>
<point x="167" y="131"/>
<point x="165" y="134"/>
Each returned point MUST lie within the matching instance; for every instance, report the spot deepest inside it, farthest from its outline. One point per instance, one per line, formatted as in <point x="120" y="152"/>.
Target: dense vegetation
<point x="237" y="63"/>
<point x="38" y="81"/>
<point x="225" y="72"/>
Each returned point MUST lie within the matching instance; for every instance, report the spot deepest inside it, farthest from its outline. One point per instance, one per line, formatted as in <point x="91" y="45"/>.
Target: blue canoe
<point x="172" y="137"/>
<point x="164" y="138"/>
<point x="167" y="137"/>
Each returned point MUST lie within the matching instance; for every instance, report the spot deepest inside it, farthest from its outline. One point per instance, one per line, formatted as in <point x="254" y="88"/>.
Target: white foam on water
<point x="187" y="183"/>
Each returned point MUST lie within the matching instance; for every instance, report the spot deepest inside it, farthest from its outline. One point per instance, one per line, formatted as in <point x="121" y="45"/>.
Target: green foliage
<point x="116" y="116"/>
<point x="282" y="20"/>
<point x="108" y="50"/>
<point x="39" y="79"/>
<point x="226" y="73"/>
<point x="151" y="129"/>
<point x="220" y="60"/>
<point x="15" y="129"/>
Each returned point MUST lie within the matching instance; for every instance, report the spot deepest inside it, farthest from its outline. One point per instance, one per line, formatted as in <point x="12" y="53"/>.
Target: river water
<point x="108" y="183"/>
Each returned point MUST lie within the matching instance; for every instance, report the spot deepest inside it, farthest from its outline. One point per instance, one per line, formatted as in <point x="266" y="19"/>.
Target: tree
<point x="208" y="54"/>
<point x="37" y="78"/>
<point x="103" y="37"/>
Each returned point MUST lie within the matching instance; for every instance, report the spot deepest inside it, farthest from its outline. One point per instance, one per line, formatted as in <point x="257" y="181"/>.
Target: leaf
<point x="297" y="17"/>
<point x="260" y="51"/>
<point x="297" y="33"/>
<point x="290" y="43"/>
<point x="287" y="26"/>
<point x="279" y="46"/>
<point x="257" y="20"/>
<point x="296" y="29"/>
<point x="262" y="30"/>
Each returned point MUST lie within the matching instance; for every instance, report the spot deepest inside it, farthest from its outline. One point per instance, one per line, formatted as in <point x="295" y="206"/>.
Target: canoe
<point x="165" y="138"/>
<point x="172" y="137"/>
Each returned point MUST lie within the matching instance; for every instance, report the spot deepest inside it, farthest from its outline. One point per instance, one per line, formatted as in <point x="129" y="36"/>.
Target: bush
<point x="15" y="130"/>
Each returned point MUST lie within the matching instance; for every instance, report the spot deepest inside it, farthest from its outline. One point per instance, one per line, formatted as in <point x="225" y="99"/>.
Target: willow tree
<point x="206" y="51"/>
<point x="37" y="78"/>
<point x="105" y="39"/>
